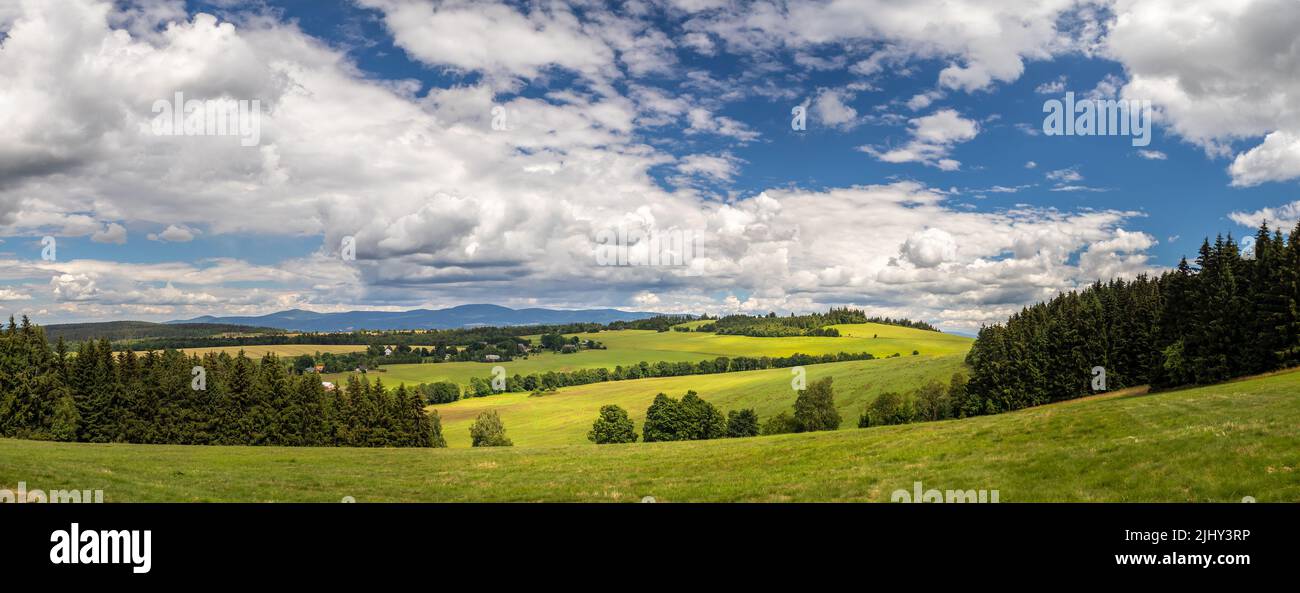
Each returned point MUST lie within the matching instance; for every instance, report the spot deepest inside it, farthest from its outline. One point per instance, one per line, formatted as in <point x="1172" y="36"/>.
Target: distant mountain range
<point x="462" y="316"/>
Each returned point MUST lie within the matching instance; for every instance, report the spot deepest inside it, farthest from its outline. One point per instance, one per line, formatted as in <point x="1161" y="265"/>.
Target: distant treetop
<point x="814" y="324"/>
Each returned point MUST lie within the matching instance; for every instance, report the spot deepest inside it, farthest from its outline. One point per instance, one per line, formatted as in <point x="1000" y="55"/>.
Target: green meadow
<point x="1217" y="443"/>
<point x="628" y="347"/>
<point x="565" y="416"/>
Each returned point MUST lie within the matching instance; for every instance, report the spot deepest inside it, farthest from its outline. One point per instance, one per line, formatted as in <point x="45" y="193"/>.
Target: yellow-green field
<point x="628" y="347"/>
<point x="564" y="417"/>
<point x="461" y="372"/>
<point x="1216" y="443"/>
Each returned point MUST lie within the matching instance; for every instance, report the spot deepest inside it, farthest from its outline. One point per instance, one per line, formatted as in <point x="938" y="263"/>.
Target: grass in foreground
<point x="1216" y="443"/>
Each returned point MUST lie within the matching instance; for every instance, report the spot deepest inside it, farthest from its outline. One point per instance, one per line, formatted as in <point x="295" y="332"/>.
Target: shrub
<point x="888" y="408"/>
<point x="690" y="419"/>
<point x="612" y="426"/>
<point x="814" y="409"/>
<point x="442" y="392"/>
<point x="479" y="387"/>
<point x="932" y="402"/>
<point x="781" y="423"/>
<point x="742" y="423"/>
<point x="488" y="431"/>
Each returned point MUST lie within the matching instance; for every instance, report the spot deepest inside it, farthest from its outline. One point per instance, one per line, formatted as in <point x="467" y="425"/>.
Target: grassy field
<point x="563" y="418"/>
<point x="1217" y="443"/>
<point x="461" y="372"/>
<point x="283" y="350"/>
<point x="628" y="347"/>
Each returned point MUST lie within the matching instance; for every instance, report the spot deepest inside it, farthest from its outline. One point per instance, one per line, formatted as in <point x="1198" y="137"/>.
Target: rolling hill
<point x="116" y="331"/>
<point x="628" y="347"/>
<point x="564" y="417"/>
<point x="454" y="317"/>
<point x="1215" y="443"/>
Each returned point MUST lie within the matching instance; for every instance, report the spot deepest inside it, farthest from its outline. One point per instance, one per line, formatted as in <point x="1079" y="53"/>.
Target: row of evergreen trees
<point x="1231" y="314"/>
<point x="95" y="395"/>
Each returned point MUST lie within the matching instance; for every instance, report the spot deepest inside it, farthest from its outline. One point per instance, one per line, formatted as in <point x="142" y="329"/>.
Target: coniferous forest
<point x="1227" y="315"/>
<point x="97" y="396"/>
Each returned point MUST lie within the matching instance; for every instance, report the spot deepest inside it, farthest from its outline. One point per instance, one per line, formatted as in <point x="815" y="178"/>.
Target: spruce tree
<point x="434" y="436"/>
<point x="742" y="423"/>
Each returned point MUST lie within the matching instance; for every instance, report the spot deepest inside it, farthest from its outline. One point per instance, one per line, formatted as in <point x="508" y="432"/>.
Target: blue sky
<point x="922" y="185"/>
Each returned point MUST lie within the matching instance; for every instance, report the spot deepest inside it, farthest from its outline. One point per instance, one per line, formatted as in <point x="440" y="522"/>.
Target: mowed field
<point x="564" y="417"/>
<point x="628" y="347"/>
<point x="1216" y="443"/>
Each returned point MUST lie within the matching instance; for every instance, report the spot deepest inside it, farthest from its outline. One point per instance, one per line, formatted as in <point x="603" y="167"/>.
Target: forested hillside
<point x="96" y="396"/>
<point x="1228" y="315"/>
<point x="116" y="331"/>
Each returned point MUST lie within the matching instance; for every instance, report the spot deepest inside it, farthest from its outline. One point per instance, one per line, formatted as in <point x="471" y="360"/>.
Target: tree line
<point x="552" y="380"/>
<point x="145" y="336"/>
<point x="376" y="355"/>
<point x="1228" y="315"/>
<point x="814" y="324"/>
<point x="168" y="397"/>
<point x="127" y="331"/>
<point x="692" y="418"/>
